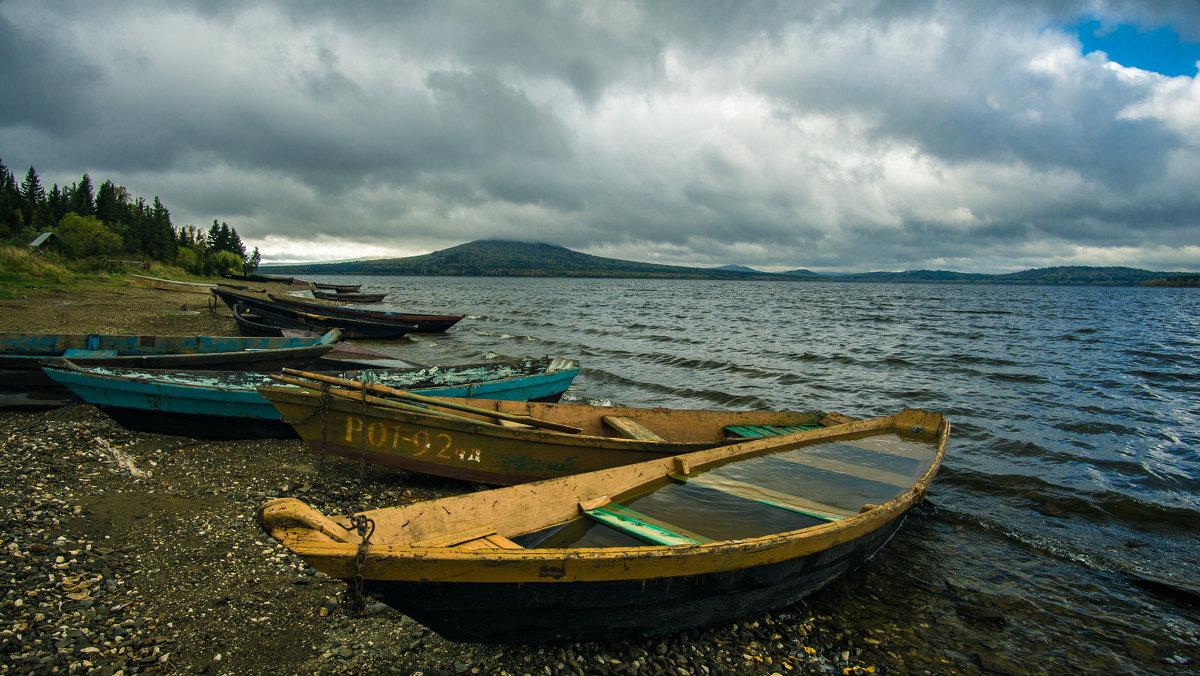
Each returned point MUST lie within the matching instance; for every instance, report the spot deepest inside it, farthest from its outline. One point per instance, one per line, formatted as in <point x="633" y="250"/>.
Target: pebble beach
<point x="128" y="552"/>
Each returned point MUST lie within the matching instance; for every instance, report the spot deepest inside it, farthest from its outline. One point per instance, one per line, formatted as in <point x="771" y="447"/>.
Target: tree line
<point x="105" y="223"/>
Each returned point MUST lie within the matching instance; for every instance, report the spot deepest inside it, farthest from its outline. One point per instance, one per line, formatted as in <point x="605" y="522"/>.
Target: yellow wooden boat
<point x="648" y="548"/>
<point x="504" y="442"/>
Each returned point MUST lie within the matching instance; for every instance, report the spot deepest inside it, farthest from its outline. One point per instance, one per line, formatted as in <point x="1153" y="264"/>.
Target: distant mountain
<point x="500" y="258"/>
<point x="1074" y="275"/>
<point x="790" y="273"/>
<point x="912" y="276"/>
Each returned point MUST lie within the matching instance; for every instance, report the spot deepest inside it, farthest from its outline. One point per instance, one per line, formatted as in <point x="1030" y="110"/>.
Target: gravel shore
<point x="128" y="552"/>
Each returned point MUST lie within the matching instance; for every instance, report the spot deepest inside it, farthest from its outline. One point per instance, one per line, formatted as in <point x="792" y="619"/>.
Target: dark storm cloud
<point x="850" y="135"/>
<point x="45" y="80"/>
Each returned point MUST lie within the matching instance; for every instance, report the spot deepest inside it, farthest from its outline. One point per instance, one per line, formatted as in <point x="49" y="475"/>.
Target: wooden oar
<point x="386" y="391"/>
<point x="379" y="401"/>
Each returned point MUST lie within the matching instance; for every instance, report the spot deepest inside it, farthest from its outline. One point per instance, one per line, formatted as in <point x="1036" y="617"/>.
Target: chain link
<point x="365" y="527"/>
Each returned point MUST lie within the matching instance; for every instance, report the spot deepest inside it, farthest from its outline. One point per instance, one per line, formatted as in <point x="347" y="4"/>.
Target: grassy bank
<point x="23" y="272"/>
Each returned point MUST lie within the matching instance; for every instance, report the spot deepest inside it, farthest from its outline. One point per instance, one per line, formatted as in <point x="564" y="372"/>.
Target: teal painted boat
<point x="22" y="378"/>
<point x="227" y="405"/>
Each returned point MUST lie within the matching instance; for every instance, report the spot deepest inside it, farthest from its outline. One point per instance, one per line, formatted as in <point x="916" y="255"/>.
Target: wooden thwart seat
<point x="643" y="527"/>
<point x="756" y="431"/>
<point x="630" y="428"/>
<point x="767" y="496"/>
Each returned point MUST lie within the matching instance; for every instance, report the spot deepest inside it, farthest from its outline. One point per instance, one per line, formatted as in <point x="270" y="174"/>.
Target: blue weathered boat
<point x="226" y="404"/>
<point x="21" y="375"/>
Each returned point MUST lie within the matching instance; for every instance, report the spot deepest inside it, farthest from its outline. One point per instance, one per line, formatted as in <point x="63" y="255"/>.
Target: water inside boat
<point x="790" y="490"/>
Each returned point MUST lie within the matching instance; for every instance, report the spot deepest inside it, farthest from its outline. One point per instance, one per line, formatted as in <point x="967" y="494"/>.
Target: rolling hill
<point x="497" y="258"/>
<point x="502" y="258"/>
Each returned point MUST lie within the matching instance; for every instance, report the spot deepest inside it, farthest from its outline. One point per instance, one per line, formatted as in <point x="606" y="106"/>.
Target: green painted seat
<point x="755" y="431"/>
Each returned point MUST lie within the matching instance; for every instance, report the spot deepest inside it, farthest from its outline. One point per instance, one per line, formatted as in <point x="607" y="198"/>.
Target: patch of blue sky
<point x="1159" y="50"/>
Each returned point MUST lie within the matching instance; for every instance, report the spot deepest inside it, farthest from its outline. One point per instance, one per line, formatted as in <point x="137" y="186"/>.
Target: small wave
<point x="1095" y="427"/>
<point x="1018" y="378"/>
<point x="1056" y="501"/>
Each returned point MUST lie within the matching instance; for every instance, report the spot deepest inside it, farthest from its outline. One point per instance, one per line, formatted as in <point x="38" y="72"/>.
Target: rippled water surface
<point x="1063" y="531"/>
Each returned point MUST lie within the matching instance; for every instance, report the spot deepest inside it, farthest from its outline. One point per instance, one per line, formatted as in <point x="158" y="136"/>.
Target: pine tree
<point x="32" y="190"/>
<point x="10" y="201"/>
<point x="82" y="198"/>
<point x="162" y="233"/>
<point x="56" y="201"/>
<point x="112" y="205"/>
<point x="214" y="238"/>
<point x="35" y="214"/>
<point x="235" y="244"/>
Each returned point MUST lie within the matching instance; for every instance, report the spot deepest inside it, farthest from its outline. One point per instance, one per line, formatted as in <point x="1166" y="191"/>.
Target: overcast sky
<point x="836" y="136"/>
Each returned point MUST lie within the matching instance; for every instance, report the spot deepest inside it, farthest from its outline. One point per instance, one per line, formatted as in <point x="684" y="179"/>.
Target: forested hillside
<point x="103" y="223"/>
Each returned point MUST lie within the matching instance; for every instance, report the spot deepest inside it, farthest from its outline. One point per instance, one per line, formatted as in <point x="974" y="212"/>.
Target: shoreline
<point x="134" y="552"/>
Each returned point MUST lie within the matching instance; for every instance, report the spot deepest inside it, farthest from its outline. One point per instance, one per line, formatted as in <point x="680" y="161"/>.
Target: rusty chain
<point x="365" y="527"/>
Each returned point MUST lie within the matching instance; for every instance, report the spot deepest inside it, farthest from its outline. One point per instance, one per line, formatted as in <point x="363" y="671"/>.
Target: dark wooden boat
<point x="504" y="442"/>
<point x="226" y="404"/>
<point x="259" y="322"/>
<point x="268" y="278"/>
<point x="341" y="288"/>
<point x="650" y="548"/>
<point x="251" y="323"/>
<point x="349" y="297"/>
<point x="257" y="316"/>
<point x="21" y="354"/>
<point x="425" y="323"/>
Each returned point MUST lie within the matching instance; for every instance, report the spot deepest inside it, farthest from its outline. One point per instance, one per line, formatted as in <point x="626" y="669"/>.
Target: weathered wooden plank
<point x="630" y="428"/>
<point x="643" y="527"/>
<point x="768" y="496"/>
<point x="493" y="541"/>
<point x="457" y="537"/>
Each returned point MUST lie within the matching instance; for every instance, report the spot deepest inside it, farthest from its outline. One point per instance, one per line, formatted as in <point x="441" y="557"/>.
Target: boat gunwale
<point x="145" y="376"/>
<point x="288" y="299"/>
<point x="45" y="344"/>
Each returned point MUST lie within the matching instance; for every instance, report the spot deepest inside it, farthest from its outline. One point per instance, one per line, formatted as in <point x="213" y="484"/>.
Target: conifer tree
<point x="112" y="205"/>
<point x="32" y="190"/>
<point x="35" y="214"/>
<point x="82" y="198"/>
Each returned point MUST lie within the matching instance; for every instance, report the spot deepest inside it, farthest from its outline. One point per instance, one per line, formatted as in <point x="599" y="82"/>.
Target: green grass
<point x="21" y="272"/>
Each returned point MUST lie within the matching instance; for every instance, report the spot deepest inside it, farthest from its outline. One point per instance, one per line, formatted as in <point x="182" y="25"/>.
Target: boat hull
<point x="172" y="285"/>
<point x="228" y="405"/>
<point x="271" y="315"/>
<point x="477" y="451"/>
<point x="21" y="355"/>
<point x="603" y="610"/>
<point x="655" y="547"/>
<point x="350" y="296"/>
<point x="425" y="323"/>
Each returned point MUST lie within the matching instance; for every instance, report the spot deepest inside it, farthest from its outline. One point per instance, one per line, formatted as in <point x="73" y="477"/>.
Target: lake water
<point x="1063" y="531"/>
